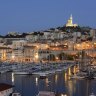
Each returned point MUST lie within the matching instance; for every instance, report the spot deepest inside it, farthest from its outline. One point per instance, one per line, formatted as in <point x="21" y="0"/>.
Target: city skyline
<point x="33" y="15"/>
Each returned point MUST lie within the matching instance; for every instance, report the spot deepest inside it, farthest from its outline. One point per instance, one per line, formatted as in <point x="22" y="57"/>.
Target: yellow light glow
<point x="57" y="58"/>
<point x="78" y="45"/>
<point x="63" y="95"/>
<point x="36" y="56"/>
<point x="69" y="72"/>
<point x="65" y="44"/>
<point x="46" y="46"/>
<point x="74" y="69"/>
<point x="37" y="46"/>
<point x="65" y="77"/>
<point x="13" y="56"/>
<point x="56" y="78"/>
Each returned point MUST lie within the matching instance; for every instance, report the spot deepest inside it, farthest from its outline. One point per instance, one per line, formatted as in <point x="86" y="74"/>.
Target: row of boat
<point x="48" y="93"/>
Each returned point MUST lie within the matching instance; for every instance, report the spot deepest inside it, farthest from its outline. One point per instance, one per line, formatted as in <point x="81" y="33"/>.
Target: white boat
<point x="40" y="73"/>
<point x="22" y="73"/>
<point x="58" y="70"/>
<point x="46" y="93"/>
<point x="16" y="94"/>
<point x="3" y="71"/>
<point x="77" y="77"/>
<point x="51" y="71"/>
<point x="43" y="75"/>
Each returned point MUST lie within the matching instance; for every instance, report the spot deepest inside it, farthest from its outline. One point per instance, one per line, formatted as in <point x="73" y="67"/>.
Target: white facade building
<point x="19" y="43"/>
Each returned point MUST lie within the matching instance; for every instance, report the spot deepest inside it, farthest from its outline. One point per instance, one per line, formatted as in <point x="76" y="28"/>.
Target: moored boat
<point x="43" y="75"/>
<point x="16" y="94"/>
<point x="46" y="93"/>
<point x="22" y="73"/>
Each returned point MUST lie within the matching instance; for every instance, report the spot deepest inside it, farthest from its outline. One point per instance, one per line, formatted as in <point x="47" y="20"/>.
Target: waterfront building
<point x="5" y="89"/>
<point x="43" y="54"/>
<point x="70" y="22"/>
<point x="84" y="46"/>
<point x="17" y="54"/>
<point x="5" y="53"/>
<point x="30" y="54"/>
<point x="54" y="53"/>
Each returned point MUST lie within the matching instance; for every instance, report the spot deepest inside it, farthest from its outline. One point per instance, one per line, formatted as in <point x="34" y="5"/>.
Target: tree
<point x="70" y="57"/>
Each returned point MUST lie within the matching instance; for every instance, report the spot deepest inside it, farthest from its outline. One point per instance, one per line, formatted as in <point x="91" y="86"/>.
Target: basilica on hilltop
<point x="70" y="22"/>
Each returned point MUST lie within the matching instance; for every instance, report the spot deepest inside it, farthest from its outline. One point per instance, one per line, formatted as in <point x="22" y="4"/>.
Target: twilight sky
<point x="33" y="15"/>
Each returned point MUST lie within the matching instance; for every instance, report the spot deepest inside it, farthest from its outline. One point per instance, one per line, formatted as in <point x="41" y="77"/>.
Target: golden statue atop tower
<point x="70" y="22"/>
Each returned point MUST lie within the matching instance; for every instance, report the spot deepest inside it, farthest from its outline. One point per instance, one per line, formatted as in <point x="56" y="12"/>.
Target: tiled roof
<point x="4" y="86"/>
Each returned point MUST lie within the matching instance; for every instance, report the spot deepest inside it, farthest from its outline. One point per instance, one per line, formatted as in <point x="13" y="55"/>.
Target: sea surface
<point x="61" y="83"/>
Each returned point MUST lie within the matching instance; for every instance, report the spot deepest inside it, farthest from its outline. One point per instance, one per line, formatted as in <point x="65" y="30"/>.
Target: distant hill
<point x="74" y="29"/>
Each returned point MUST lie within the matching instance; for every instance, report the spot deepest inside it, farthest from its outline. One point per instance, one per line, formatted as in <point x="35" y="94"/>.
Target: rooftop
<point x="4" y="86"/>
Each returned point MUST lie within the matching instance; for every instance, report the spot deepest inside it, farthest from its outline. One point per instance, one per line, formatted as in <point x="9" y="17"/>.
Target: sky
<point x="35" y="15"/>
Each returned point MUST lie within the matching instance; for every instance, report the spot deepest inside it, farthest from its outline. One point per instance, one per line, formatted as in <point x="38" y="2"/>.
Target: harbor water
<point x="30" y="85"/>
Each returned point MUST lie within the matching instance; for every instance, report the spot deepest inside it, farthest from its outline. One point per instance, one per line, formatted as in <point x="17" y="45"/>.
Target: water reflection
<point x="65" y="77"/>
<point x="47" y="82"/>
<point x="74" y="70"/>
<point x="56" y="78"/>
<point x="13" y="78"/>
<point x="59" y="83"/>
<point x="36" y="80"/>
<point x="69" y="71"/>
<point x="63" y="95"/>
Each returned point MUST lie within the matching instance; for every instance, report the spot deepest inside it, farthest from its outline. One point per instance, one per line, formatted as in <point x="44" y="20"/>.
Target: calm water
<point x="60" y="83"/>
